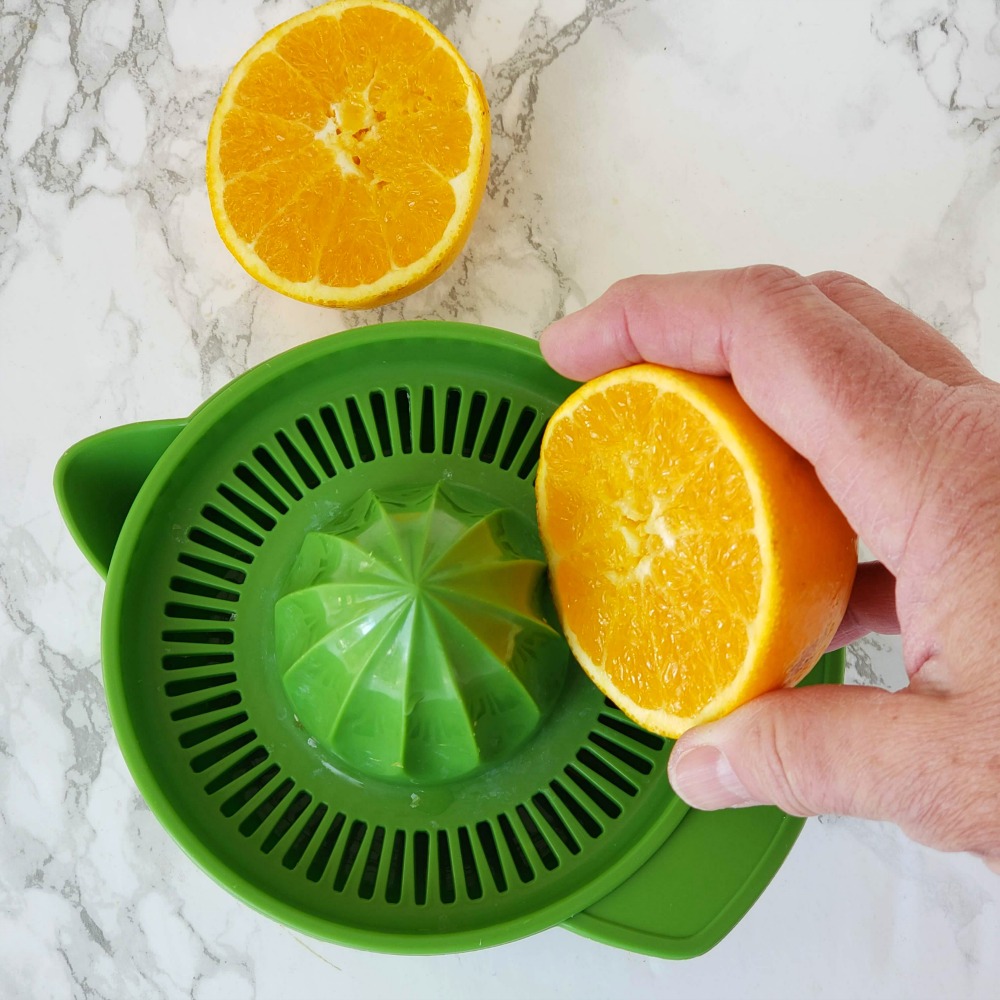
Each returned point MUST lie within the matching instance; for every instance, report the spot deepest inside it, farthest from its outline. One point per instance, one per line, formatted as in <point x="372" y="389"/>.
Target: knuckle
<point x="627" y="290"/>
<point x="784" y="777"/>
<point x="626" y="298"/>
<point x="965" y="416"/>
<point x="620" y="289"/>
<point x="769" y="281"/>
<point x="839" y="281"/>
<point x="959" y="465"/>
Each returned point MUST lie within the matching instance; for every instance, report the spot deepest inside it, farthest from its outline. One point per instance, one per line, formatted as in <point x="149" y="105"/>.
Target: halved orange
<point x="348" y="154"/>
<point x="695" y="559"/>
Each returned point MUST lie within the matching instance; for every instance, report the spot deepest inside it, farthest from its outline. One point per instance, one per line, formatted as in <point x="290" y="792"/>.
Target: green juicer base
<point x="215" y="511"/>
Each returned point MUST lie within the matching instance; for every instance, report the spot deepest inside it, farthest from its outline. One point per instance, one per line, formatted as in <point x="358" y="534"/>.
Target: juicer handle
<point x="97" y="480"/>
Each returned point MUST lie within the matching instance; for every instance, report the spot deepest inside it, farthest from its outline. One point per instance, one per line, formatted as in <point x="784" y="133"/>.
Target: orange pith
<point x="348" y="153"/>
<point x="695" y="559"/>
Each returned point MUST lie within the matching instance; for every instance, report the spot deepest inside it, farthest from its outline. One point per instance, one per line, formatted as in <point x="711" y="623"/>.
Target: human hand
<point x="905" y="436"/>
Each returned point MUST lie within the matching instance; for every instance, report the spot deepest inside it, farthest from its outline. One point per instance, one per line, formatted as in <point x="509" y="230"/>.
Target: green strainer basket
<point x="334" y="672"/>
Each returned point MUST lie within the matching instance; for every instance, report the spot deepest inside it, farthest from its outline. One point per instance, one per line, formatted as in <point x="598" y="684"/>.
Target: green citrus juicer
<point x="336" y="676"/>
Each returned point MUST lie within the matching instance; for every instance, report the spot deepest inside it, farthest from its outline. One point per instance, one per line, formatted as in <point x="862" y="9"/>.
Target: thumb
<point x="823" y="749"/>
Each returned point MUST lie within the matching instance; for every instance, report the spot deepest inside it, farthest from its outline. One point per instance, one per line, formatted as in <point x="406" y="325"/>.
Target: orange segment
<point x="290" y="242"/>
<point x="436" y="137"/>
<point x="695" y="559"/>
<point x="348" y="154"/>
<point x="249" y="140"/>
<point x="379" y="36"/>
<point x="355" y="255"/>
<point x="271" y="86"/>
<point x="258" y="196"/>
<point x="316" y="52"/>
<point x="412" y="209"/>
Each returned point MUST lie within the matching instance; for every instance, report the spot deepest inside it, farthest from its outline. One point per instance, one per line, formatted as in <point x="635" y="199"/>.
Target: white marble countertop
<point x="628" y="136"/>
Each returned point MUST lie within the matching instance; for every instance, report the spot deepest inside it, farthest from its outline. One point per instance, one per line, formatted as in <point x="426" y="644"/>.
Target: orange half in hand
<point x="696" y="561"/>
<point x="348" y="154"/>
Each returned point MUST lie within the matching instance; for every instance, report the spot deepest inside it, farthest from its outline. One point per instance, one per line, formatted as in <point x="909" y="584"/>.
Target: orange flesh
<point x="639" y="569"/>
<point x="340" y="147"/>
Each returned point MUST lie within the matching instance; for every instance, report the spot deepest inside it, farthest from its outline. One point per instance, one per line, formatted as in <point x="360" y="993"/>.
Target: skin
<point x="905" y="435"/>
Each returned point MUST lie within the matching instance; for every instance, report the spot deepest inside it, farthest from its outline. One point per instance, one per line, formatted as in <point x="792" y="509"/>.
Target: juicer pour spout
<point x="98" y="479"/>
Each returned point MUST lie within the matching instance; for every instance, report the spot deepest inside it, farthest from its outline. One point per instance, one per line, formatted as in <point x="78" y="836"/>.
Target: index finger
<point x="814" y="373"/>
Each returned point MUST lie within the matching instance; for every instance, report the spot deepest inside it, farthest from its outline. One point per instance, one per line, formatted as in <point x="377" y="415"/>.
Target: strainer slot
<point x="369" y="873"/>
<point x="604" y="802"/>
<point x="187" y="661"/>
<point x="380" y="417"/>
<point x="311" y="438"/>
<point x="207" y="637"/>
<point x="219" y="753"/>
<point x="249" y="792"/>
<point x="337" y="439"/>
<point x="421" y="862"/>
<point x="394" y="876"/>
<point x="230" y="524"/>
<point x="522" y="426"/>
<point x="537" y="839"/>
<point x="491" y="443"/>
<point x="530" y="462"/>
<point x="405" y="419"/>
<point x="245" y="506"/>
<point x="201" y="734"/>
<point x="246" y="764"/>
<point x="277" y="472"/>
<point x="190" y="685"/>
<point x="602" y="768"/>
<point x="515" y="849"/>
<point x="446" y="875"/>
<point x="477" y="407"/>
<point x="209" y="541"/>
<point x="255" y="819"/>
<point x="488" y="841"/>
<point x="195" y="612"/>
<point x="650" y="740"/>
<point x="449" y="424"/>
<point x="428" y="443"/>
<point x="304" y="837"/>
<point x="210" y="568"/>
<point x="548" y="812"/>
<point x="286" y="821"/>
<point x="352" y="847"/>
<point x="322" y="856"/>
<point x="576" y="809"/>
<point x="182" y="585"/>
<point x="626" y="756"/>
<point x="248" y="477"/>
<point x="219" y="702"/>
<point x="362" y="439"/>
<point x="304" y="470"/>
<point x="473" y="883"/>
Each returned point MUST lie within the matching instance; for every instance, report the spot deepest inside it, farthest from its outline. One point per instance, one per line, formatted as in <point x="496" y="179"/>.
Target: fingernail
<point x="703" y="777"/>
